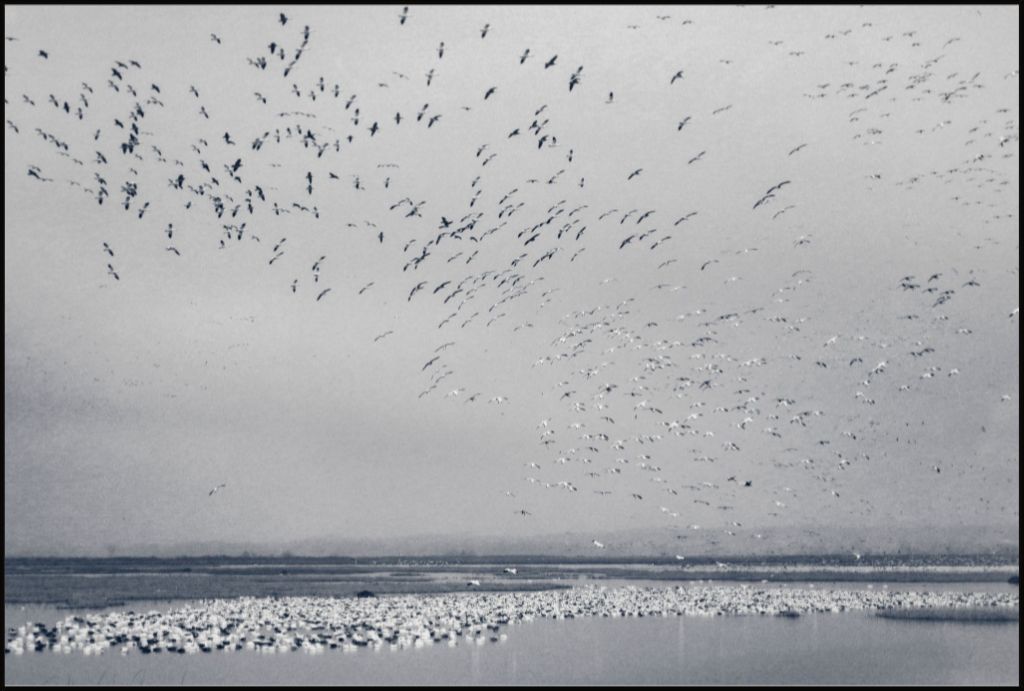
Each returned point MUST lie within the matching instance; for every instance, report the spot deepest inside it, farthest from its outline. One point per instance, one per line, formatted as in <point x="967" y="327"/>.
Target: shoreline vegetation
<point x="979" y="615"/>
<point x="90" y="583"/>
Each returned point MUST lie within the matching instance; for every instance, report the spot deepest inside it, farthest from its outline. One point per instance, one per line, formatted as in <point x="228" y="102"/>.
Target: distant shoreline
<point x="106" y="582"/>
<point x="835" y="558"/>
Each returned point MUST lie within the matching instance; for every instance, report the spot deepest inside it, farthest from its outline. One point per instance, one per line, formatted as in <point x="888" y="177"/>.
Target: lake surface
<point x="852" y="647"/>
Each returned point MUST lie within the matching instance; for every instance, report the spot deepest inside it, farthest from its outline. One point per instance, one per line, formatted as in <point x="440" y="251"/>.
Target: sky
<point x="775" y="246"/>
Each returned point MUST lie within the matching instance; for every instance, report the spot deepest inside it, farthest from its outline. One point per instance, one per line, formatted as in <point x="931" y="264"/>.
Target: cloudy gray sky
<point x="128" y="399"/>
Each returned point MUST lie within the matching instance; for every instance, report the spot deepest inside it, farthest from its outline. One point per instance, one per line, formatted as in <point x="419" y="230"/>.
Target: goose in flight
<point x="215" y="489"/>
<point x="418" y="287"/>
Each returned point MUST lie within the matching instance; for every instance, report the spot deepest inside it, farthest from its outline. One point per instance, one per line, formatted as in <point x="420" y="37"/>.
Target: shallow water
<point x="853" y="647"/>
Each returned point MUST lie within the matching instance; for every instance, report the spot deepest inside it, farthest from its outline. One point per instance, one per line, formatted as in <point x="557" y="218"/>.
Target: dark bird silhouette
<point x="322" y="293"/>
<point x="416" y="288"/>
<point x="551" y="62"/>
<point x="677" y="75"/>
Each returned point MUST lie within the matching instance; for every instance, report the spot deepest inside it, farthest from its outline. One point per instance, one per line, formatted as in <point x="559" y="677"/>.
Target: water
<point x="854" y="647"/>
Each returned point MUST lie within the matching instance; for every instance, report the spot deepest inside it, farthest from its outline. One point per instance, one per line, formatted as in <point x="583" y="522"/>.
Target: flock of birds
<point x="657" y="399"/>
<point x="315" y="625"/>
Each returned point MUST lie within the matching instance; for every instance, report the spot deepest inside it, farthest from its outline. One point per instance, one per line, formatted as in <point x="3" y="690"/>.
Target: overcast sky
<point x="738" y="345"/>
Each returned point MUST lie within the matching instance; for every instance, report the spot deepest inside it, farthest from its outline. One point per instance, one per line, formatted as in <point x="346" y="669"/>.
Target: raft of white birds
<point x="317" y="624"/>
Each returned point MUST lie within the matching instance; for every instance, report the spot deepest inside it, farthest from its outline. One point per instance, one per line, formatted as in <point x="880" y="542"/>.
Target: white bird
<point x="599" y="545"/>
